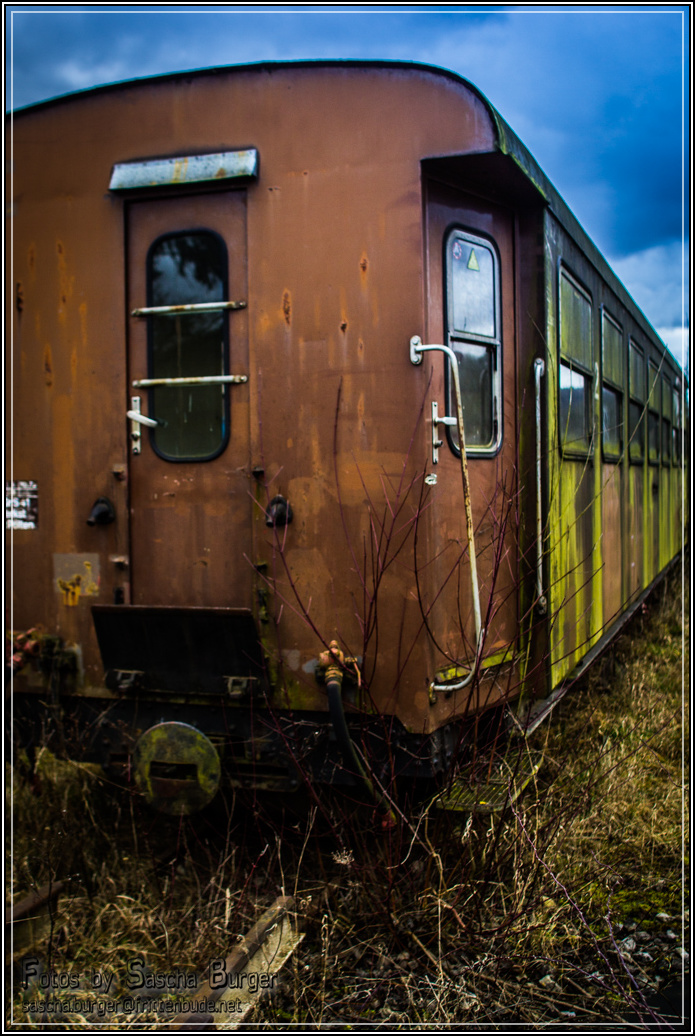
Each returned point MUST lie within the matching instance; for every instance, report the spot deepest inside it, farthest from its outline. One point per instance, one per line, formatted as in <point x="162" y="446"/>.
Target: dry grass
<point x="451" y="918"/>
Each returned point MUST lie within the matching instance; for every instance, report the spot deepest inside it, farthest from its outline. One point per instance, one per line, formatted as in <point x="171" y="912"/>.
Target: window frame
<point x="226" y="395"/>
<point x="666" y="389"/>
<point x="494" y="344"/>
<point x="676" y="401"/>
<point x="587" y="372"/>
<point x="653" y="409"/>
<point x="635" y="400"/>
<point x="610" y="384"/>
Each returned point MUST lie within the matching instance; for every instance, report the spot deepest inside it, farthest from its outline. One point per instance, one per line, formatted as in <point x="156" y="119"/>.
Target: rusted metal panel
<point x="327" y="315"/>
<point x="338" y="268"/>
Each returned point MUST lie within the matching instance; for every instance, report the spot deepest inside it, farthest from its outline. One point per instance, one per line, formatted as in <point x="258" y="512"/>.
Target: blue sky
<point x="597" y="94"/>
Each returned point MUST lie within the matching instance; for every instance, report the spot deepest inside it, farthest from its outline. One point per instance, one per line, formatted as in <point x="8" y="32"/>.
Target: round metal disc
<point x="177" y="769"/>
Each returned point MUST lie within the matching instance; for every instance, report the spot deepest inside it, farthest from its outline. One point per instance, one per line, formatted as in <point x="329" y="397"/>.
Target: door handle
<point x="437" y="420"/>
<point x="135" y="415"/>
<point x="136" y="420"/>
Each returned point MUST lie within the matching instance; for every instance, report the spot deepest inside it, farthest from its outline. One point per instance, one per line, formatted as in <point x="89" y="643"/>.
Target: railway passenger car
<point x="332" y="433"/>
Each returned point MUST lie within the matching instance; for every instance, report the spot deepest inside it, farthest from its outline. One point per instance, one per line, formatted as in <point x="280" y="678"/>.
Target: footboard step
<point x="489" y="790"/>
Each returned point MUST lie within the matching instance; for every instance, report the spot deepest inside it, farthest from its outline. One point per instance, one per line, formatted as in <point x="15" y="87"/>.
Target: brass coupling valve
<point x="334" y="666"/>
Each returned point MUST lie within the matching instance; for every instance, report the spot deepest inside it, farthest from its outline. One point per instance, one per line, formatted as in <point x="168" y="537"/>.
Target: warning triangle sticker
<point x="473" y="261"/>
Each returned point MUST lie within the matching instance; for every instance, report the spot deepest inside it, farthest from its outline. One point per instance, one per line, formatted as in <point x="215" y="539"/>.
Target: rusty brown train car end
<point x="332" y="433"/>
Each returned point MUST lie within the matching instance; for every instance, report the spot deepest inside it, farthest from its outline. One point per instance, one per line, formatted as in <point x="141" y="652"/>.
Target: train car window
<point x="187" y="268"/>
<point x="612" y="405"/>
<point x="574" y="405"/>
<point x="637" y="398"/>
<point x="612" y="343"/>
<point x="611" y="396"/>
<point x="474" y="333"/>
<point x="576" y="351"/>
<point x="653" y="430"/>
<point x="676" y="453"/>
<point x="666" y="419"/>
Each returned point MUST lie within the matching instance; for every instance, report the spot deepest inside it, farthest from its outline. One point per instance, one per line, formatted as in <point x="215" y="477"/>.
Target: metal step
<point x="488" y="789"/>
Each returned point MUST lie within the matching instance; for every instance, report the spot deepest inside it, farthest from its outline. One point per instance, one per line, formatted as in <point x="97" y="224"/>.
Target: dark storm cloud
<point x="597" y="96"/>
<point x="95" y="46"/>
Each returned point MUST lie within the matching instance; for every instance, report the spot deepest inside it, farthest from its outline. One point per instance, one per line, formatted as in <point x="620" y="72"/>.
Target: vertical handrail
<point x="542" y="603"/>
<point x="416" y="351"/>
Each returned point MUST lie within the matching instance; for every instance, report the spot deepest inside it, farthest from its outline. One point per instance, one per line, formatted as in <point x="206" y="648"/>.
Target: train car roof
<point x="507" y="144"/>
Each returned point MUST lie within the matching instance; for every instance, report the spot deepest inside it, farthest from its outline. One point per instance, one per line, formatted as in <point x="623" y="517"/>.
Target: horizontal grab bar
<point x="193" y="307"/>
<point x="213" y="379"/>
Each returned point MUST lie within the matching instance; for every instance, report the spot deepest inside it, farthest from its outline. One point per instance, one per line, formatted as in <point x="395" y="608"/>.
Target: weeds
<point x="567" y="907"/>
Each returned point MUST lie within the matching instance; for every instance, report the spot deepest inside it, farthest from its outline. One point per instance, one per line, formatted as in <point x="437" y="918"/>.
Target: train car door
<point x="470" y="307"/>
<point x="190" y="507"/>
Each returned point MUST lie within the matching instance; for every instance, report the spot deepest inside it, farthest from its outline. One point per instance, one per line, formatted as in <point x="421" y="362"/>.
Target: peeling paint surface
<point x="76" y="576"/>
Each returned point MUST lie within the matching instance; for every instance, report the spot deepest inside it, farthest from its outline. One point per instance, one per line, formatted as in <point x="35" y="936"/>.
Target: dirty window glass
<point x="676" y="427"/>
<point x="473" y="288"/>
<point x="575" y="323"/>
<point x="576" y="366"/>
<point x="636" y="409"/>
<point x="475" y="375"/>
<point x="574" y="398"/>
<point x="183" y="269"/>
<point x="653" y="428"/>
<point x="637" y="379"/>
<point x="654" y="386"/>
<point x="612" y="424"/>
<point x="636" y="431"/>
<point x="474" y="334"/>
<point x="666" y="417"/>
<point x="612" y="351"/>
<point x="666" y="441"/>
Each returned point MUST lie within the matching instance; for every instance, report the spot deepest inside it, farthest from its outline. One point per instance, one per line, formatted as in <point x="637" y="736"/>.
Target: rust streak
<point x="48" y="365"/>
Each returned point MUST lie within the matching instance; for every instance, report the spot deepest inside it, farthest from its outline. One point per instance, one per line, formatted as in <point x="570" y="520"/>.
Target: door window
<point x="473" y="321"/>
<point x="184" y="269"/>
